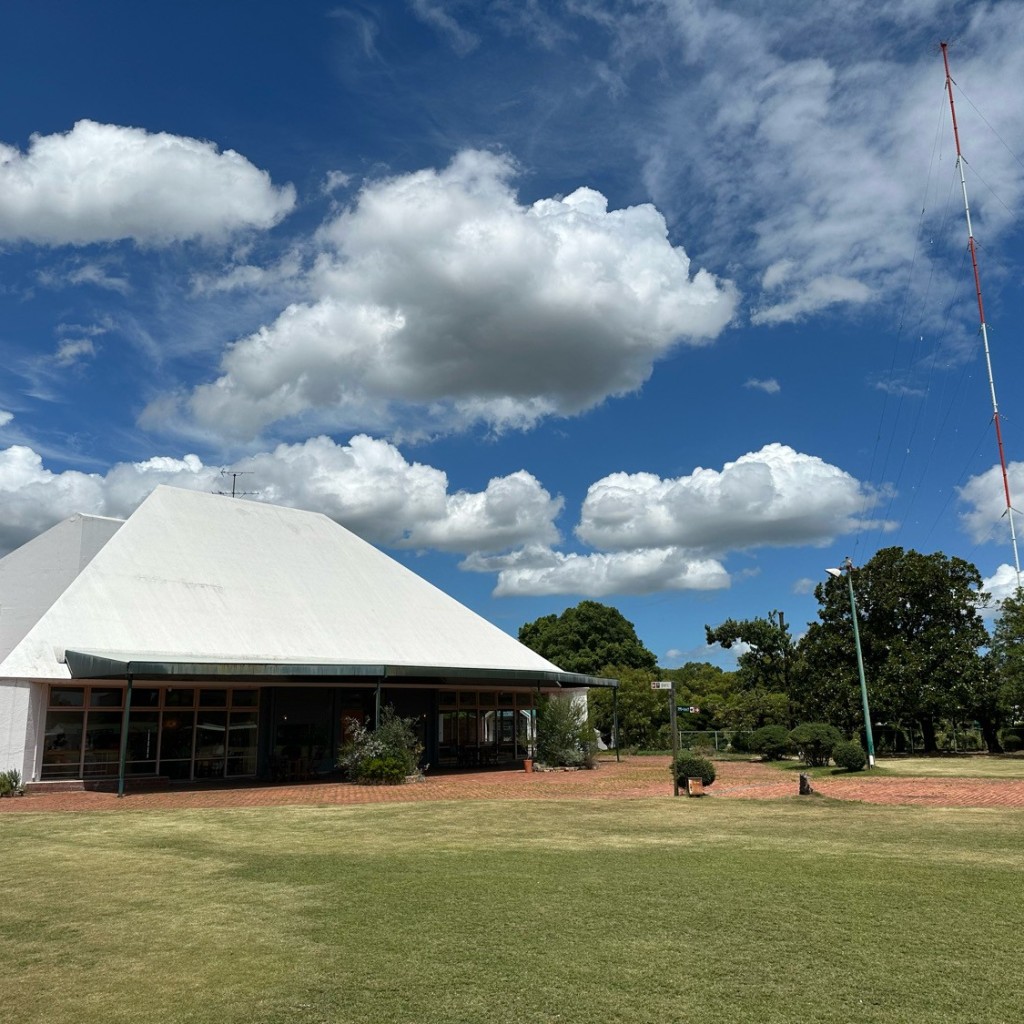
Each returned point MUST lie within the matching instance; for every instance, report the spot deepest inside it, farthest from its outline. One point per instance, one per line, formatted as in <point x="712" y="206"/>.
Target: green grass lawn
<point x="944" y="766"/>
<point x="640" y="911"/>
<point x="966" y="766"/>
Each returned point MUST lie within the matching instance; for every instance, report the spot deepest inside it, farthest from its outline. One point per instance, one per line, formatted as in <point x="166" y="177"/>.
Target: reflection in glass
<point x="176" y="734"/>
<point x="62" y="746"/>
<point x="213" y="698"/>
<point x="67" y="696"/>
<point x="105" y="697"/>
<point x="102" y="743"/>
<point x="211" y="730"/>
<point x="143" y="735"/>
<point x="242" y="733"/>
<point x="179" y="698"/>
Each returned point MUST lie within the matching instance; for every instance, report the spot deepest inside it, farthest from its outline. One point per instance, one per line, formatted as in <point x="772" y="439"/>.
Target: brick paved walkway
<point x="635" y="778"/>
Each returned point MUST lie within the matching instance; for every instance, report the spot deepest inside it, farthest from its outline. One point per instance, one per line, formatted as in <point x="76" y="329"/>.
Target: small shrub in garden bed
<point x="564" y="736"/>
<point x="849" y="755"/>
<point x="389" y="753"/>
<point x="689" y="766"/>
<point x="386" y="769"/>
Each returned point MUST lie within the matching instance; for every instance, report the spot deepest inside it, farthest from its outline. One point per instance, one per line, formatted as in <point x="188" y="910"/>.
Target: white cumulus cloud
<point x="652" y="534"/>
<point x="775" y="496"/>
<point x="540" y="572"/>
<point x="439" y="292"/>
<point x="103" y="182"/>
<point x="366" y="485"/>
<point x="999" y="586"/>
<point x="984" y="501"/>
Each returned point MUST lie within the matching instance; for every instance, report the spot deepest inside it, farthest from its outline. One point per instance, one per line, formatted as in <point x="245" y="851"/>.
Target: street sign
<point x="661" y="684"/>
<point x="688" y="711"/>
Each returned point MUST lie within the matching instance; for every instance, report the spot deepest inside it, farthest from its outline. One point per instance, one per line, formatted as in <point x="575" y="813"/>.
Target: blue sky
<point x="660" y="303"/>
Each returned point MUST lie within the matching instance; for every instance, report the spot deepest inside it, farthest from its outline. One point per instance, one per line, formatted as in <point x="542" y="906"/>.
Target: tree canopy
<point x="764" y="670"/>
<point x="1006" y="661"/>
<point x="921" y="634"/>
<point x="587" y="638"/>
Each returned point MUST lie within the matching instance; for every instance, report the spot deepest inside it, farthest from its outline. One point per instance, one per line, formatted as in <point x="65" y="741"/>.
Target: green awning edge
<point x="90" y="665"/>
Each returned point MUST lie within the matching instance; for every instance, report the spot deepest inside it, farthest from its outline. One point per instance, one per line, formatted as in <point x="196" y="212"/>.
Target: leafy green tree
<point x="586" y="639"/>
<point x="703" y="685"/>
<point x="920" y="634"/>
<point x="1006" y="661"/>
<point x="764" y="670"/>
<point x="769" y="654"/>
<point x="643" y="712"/>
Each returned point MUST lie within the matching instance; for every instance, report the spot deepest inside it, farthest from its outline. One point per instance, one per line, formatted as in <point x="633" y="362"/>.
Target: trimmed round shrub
<point x="739" y="741"/>
<point x="814" y="742"/>
<point x="771" y="742"/>
<point x="387" y="769"/>
<point x="1011" y="741"/>
<point x="690" y="766"/>
<point x="849" y="755"/>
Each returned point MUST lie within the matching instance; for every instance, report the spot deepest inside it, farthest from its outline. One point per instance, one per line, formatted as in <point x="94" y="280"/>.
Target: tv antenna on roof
<point x="235" y="474"/>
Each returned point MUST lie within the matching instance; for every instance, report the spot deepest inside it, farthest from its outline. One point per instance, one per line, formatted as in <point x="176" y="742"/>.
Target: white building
<point x="223" y="638"/>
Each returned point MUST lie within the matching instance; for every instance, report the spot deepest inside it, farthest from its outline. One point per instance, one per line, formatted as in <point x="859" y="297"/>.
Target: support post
<point x="376" y="707"/>
<point x="615" y="720"/>
<point x="125" y="719"/>
<point x="675" y="737"/>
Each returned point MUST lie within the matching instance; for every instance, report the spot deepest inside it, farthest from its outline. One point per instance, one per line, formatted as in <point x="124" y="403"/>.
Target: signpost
<point x="667" y="684"/>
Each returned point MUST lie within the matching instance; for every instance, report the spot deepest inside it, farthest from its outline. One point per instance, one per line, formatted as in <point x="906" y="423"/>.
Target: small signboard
<point x="688" y="710"/>
<point x="661" y="684"/>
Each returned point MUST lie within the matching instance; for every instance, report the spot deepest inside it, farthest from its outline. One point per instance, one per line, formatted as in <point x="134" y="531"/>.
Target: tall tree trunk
<point x="928" y="731"/>
<point x="990" y="733"/>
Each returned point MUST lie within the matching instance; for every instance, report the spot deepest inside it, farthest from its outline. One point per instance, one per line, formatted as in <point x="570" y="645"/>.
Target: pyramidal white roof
<point x="195" y="577"/>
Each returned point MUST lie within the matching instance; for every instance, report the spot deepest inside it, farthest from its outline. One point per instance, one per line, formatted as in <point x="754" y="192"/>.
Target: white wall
<point x="22" y="721"/>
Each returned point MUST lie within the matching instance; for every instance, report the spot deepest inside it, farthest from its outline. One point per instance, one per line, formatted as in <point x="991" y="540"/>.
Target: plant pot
<point x="528" y="766"/>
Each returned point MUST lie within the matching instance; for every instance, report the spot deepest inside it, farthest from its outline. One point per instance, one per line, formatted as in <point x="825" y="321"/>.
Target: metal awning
<point x="110" y="665"/>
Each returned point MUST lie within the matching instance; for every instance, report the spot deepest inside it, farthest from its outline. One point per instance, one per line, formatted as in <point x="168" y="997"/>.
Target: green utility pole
<point x="848" y="566"/>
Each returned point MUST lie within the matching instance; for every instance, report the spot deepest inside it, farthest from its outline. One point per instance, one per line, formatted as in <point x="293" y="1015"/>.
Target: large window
<point x="178" y="732"/>
<point x="486" y="727"/>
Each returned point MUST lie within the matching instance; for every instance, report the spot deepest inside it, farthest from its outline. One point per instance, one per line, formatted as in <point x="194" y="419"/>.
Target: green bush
<point x="1011" y="740"/>
<point x="814" y="742"/>
<point x="849" y="754"/>
<point x="739" y="741"/>
<point x="386" y="769"/>
<point x="10" y="782"/>
<point x="689" y="766"/>
<point x="564" y="736"/>
<point x="393" y="742"/>
<point x="771" y="742"/>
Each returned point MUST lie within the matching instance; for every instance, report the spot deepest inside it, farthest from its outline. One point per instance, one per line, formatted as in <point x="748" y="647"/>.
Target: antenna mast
<point x="235" y="474"/>
<point x="1008" y="512"/>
